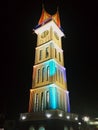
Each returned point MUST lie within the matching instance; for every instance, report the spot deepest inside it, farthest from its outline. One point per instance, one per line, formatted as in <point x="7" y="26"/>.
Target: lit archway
<point x="41" y="128"/>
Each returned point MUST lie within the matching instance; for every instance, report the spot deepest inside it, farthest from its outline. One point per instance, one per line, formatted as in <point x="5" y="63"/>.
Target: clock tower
<point x="49" y="107"/>
<point x="49" y="86"/>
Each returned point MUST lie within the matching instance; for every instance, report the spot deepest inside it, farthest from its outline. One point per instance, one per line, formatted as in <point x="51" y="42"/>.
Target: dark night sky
<point x="80" y="24"/>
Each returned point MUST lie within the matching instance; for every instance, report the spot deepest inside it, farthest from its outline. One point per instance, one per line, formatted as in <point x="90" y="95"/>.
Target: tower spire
<point x="44" y="15"/>
<point x="56" y="17"/>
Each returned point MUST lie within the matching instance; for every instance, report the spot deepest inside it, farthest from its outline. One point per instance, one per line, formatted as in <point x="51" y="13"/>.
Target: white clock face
<point x="44" y="34"/>
<point x="56" y="35"/>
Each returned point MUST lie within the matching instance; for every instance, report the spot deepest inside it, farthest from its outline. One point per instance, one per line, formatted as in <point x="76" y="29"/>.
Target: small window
<point x="47" y="99"/>
<point x="59" y="75"/>
<point x="56" y="73"/>
<point x="38" y="76"/>
<point x="59" y="56"/>
<point x="43" y="74"/>
<point x="34" y="102"/>
<point x="42" y="103"/>
<point x="55" y="53"/>
<point x="47" y="73"/>
<point x="40" y="54"/>
<point x="37" y="102"/>
<point x="47" y="52"/>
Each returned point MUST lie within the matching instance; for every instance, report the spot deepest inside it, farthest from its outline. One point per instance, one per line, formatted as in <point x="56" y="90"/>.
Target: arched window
<point x="41" y="128"/>
<point x="37" y="102"/>
<point x="61" y="77"/>
<point x="40" y="54"/>
<point x="47" y="52"/>
<point x="38" y="76"/>
<point x="34" y="102"/>
<point x="42" y="101"/>
<point x="47" y="73"/>
<point x="43" y="73"/>
<point x="55" y="53"/>
<point x="56" y="73"/>
<point x="59" y="56"/>
<point x="31" y="128"/>
<point x="47" y="99"/>
<point x="59" y="74"/>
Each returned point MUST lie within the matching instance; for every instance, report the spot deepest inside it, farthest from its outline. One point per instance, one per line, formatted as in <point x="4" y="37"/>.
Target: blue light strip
<point x="53" y="97"/>
<point x="52" y="68"/>
<point x="64" y="71"/>
<point x="68" y="103"/>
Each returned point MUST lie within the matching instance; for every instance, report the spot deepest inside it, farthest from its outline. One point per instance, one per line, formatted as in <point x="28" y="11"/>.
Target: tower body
<point x="49" y="86"/>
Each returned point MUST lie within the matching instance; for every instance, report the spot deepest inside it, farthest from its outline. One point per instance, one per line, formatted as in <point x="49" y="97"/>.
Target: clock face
<point x="44" y="34"/>
<point x="56" y="35"/>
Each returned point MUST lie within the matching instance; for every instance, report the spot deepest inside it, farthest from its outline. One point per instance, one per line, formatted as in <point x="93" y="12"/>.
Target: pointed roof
<point x="56" y="18"/>
<point x="45" y="16"/>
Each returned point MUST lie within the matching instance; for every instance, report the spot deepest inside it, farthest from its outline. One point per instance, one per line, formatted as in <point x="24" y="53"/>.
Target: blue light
<point x="51" y="64"/>
<point x="64" y="71"/>
<point x="68" y="103"/>
<point x="53" y="98"/>
<point x="52" y="68"/>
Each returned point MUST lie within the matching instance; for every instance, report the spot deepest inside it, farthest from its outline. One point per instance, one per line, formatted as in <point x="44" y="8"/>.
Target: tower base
<point x="50" y="120"/>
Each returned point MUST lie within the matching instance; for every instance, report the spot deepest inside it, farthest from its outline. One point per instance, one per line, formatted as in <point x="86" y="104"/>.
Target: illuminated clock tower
<point x="49" y="87"/>
<point x="49" y="107"/>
